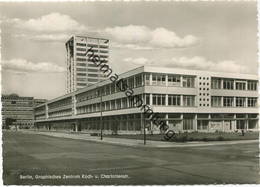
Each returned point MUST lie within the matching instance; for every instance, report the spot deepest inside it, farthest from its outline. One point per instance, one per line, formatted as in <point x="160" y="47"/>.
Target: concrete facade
<point x="187" y="100"/>
<point x="20" y="109"/>
<point x="80" y="71"/>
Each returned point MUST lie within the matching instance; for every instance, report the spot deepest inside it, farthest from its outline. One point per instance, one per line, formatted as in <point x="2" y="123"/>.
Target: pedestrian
<point x="243" y="132"/>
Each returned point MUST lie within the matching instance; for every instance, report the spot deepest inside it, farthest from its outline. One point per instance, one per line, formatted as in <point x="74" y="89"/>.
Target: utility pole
<point x="143" y="124"/>
<point x="101" y="120"/>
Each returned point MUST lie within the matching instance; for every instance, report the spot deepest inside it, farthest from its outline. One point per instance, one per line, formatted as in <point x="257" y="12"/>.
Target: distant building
<point x="38" y="101"/>
<point x="19" y="109"/>
<point x="187" y="100"/>
<point x="81" y="72"/>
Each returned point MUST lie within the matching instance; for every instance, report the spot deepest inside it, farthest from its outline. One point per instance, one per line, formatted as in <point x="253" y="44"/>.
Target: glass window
<point x="147" y="79"/>
<point x="228" y="84"/>
<point x="80" y="44"/>
<point x="93" y="80"/>
<point x="81" y="69"/>
<point x="227" y="101"/>
<point x="161" y="79"/>
<point x="252" y="85"/>
<point x="202" y="124"/>
<point x="81" y="79"/>
<point x="81" y="49"/>
<point x="187" y="124"/>
<point x="240" y="85"/>
<point x="81" y="84"/>
<point x="174" y="100"/>
<point x="81" y="54"/>
<point x="107" y="105"/>
<point x="131" y="102"/>
<point x="124" y="103"/>
<point x="240" y="101"/>
<point x="123" y="85"/>
<point x="107" y="91"/>
<point x="158" y="99"/>
<point x="241" y="124"/>
<point x="174" y="80"/>
<point x="131" y="82"/>
<point x="147" y="99"/>
<point x="138" y="80"/>
<point x="118" y="104"/>
<point x="81" y="74"/>
<point x="252" y="102"/>
<point x="188" y="100"/>
<point x="188" y="82"/>
<point x="98" y="106"/>
<point x="154" y="79"/>
<point x="112" y="88"/>
<point x="163" y="99"/>
<point x="113" y="104"/>
<point x="215" y="101"/>
<point x="103" y="106"/>
<point x="92" y="75"/>
<point x="158" y="79"/>
<point x="216" y="83"/>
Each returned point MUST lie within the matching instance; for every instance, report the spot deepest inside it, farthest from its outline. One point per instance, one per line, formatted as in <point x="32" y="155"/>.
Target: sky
<point x="211" y="36"/>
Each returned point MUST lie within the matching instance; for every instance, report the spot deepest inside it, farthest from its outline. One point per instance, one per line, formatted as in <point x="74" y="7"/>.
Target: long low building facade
<point x="19" y="110"/>
<point x="187" y="100"/>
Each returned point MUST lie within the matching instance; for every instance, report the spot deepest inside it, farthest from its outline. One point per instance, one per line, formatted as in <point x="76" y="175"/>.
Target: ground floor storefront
<point x="134" y="123"/>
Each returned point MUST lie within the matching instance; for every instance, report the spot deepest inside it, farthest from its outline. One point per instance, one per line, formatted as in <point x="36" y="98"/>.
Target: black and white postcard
<point x="129" y="92"/>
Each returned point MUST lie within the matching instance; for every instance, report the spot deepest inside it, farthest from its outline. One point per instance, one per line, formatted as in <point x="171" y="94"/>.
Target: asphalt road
<point x="29" y="156"/>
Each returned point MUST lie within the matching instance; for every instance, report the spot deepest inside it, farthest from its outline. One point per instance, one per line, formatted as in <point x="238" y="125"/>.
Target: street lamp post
<point x="143" y="124"/>
<point x="101" y="120"/>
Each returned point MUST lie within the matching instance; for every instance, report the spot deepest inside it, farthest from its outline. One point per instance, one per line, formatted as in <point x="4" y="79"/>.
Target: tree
<point x="9" y="122"/>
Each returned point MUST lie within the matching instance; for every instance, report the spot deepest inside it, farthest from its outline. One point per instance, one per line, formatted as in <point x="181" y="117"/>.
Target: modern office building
<point x="187" y="100"/>
<point x="19" y="109"/>
<point x="81" y="72"/>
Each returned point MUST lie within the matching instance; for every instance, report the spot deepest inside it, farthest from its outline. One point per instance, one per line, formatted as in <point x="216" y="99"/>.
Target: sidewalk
<point x="135" y="143"/>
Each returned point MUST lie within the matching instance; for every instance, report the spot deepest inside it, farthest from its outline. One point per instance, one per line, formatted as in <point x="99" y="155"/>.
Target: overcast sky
<point x="215" y="36"/>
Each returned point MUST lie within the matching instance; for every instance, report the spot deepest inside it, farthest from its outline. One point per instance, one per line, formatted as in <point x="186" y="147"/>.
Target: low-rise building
<point x="187" y="100"/>
<point x="19" y="110"/>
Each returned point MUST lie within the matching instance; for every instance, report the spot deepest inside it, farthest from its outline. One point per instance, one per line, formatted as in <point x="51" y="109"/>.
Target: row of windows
<point x="106" y="105"/>
<point x="228" y="84"/>
<point x="81" y="54"/>
<point x="81" y="84"/>
<point x="36" y="112"/>
<point x="217" y="101"/>
<point x="89" y="74"/>
<point x="173" y="100"/>
<point x="93" y="80"/>
<point x="40" y="114"/>
<point x="85" y="65"/>
<point x="18" y="103"/>
<point x="81" y="44"/>
<point x="60" y="113"/>
<point x="60" y="103"/>
<point x="173" y="80"/>
<point x="81" y="59"/>
<point x="240" y="124"/>
<point x="39" y="109"/>
<point x="157" y="99"/>
<point x="40" y="117"/>
<point x="81" y="49"/>
<point x="189" y="100"/>
<point x="17" y="108"/>
<point x="131" y="82"/>
<point x="19" y="116"/>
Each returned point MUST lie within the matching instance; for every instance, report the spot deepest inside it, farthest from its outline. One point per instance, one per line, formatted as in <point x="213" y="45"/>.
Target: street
<point x="30" y="157"/>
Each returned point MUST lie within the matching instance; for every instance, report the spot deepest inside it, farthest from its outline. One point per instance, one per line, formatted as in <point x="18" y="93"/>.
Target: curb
<point x="137" y="143"/>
